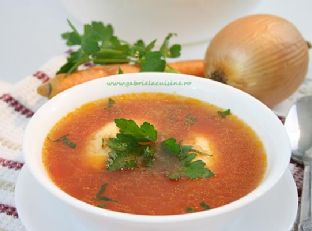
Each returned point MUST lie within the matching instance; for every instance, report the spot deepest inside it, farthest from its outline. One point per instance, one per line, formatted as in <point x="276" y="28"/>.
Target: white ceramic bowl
<point x="192" y="20"/>
<point x="259" y="117"/>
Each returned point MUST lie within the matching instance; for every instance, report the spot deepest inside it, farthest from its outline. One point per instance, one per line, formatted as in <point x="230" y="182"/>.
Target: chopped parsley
<point x="99" y="45"/>
<point x="120" y="71"/>
<point x="66" y="141"/>
<point x="224" y="113"/>
<point x="204" y="205"/>
<point x="100" y="194"/>
<point x="190" y="210"/>
<point x="188" y="167"/>
<point x="133" y="146"/>
<point x="110" y="103"/>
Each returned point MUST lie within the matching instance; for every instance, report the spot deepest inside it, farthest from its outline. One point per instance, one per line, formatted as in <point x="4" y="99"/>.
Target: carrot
<point x="62" y="82"/>
<point x="189" y="67"/>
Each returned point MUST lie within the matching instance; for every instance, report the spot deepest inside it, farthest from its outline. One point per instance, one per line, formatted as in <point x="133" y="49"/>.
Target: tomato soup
<point x="78" y="151"/>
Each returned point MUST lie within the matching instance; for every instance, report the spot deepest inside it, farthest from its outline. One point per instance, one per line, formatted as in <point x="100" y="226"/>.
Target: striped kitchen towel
<point x="19" y="104"/>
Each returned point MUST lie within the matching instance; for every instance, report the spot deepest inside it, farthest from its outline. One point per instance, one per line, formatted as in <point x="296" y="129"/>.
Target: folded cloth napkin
<point x="19" y="104"/>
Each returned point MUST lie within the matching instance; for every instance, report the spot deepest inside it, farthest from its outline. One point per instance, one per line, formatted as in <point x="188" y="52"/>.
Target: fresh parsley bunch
<point x="98" y="44"/>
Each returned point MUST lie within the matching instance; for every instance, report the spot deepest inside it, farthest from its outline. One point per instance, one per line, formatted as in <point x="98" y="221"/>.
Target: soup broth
<point x="75" y="155"/>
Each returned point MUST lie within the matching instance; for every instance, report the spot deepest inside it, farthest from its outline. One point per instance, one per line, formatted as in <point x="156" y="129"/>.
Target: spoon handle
<point x="305" y="223"/>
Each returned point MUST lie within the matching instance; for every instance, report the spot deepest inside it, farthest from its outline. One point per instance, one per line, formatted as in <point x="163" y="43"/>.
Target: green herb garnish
<point x="100" y="194"/>
<point x="153" y="61"/>
<point x="120" y="71"/>
<point x="110" y="103"/>
<point x="172" y="52"/>
<point x="65" y="140"/>
<point x="204" y="205"/>
<point x="224" y="113"/>
<point x="134" y="145"/>
<point x="190" y="210"/>
<point x="188" y="167"/>
<point x="98" y="44"/>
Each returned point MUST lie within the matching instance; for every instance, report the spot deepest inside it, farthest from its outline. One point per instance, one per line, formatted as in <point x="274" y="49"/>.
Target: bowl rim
<point x="81" y="205"/>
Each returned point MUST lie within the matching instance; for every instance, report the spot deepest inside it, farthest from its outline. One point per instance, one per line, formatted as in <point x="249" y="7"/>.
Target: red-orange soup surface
<point x="234" y="154"/>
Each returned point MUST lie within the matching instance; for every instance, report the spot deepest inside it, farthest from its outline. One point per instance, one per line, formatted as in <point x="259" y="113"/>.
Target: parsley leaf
<point x="139" y="48"/>
<point x="148" y="156"/>
<point x="204" y="205"/>
<point x="65" y="140"/>
<point x="72" y="38"/>
<point x="167" y="51"/>
<point x="100" y="194"/>
<point x="99" y="31"/>
<point x="123" y="152"/>
<point x="175" y="51"/>
<point x="172" y="146"/>
<point x="73" y="61"/>
<point x="188" y="167"/>
<point x="110" y="103"/>
<point x="194" y="169"/>
<point x="146" y="132"/>
<point x="102" y="205"/>
<point x="99" y="45"/>
<point x="190" y="210"/>
<point x="120" y="71"/>
<point x="153" y="61"/>
<point x="224" y="113"/>
<point x="132" y="146"/>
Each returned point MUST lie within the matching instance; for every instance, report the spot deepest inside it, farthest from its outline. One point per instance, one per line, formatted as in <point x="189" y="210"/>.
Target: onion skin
<point x="263" y="55"/>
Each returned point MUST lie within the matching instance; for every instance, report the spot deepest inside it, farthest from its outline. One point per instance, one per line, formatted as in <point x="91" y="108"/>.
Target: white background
<point x="30" y="31"/>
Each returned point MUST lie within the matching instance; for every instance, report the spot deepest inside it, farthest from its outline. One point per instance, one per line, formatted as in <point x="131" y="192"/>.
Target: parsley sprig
<point x="98" y="44"/>
<point x="100" y="197"/>
<point x="110" y="103"/>
<point x="224" y="113"/>
<point x="66" y="141"/>
<point x="188" y="167"/>
<point x="133" y="146"/>
<point x="100" y="194"/>
<point x="204" y="206"/>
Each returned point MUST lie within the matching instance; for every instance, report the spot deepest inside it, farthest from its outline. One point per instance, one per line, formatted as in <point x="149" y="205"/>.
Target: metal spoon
<point x="299" y="128"/>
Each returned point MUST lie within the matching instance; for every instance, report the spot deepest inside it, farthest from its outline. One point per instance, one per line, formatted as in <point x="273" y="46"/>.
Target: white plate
<point x="39" y="211"/>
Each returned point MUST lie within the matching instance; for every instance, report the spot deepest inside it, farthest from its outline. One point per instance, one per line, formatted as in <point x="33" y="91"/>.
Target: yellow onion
<point x="263" y="55"/>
